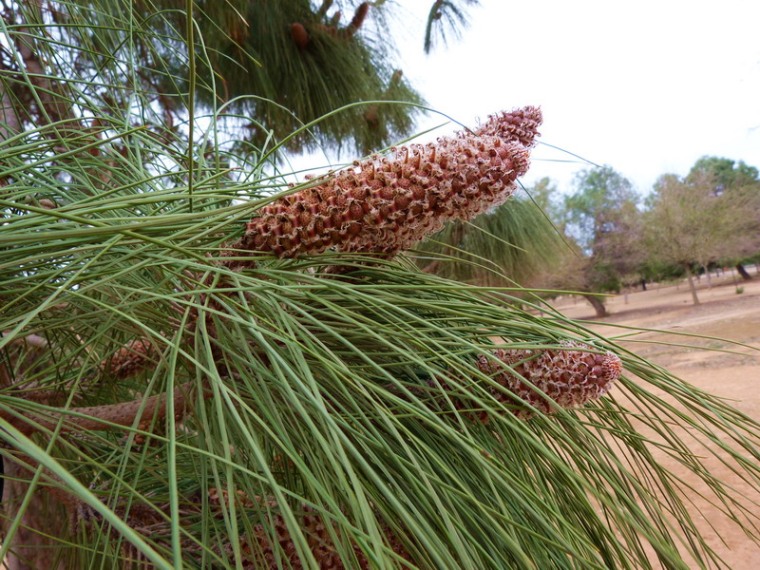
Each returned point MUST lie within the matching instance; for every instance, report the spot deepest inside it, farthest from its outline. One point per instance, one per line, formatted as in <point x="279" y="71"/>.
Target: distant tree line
<point x="604" y="237"/>
<point x="710" y="217"/>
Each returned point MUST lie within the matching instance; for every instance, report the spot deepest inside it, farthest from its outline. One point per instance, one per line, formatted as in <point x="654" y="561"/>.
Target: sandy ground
<point x="734" y="375"/>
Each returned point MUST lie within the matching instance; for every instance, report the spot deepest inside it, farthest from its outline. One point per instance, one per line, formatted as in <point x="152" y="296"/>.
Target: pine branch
<point x="384" y="206"/>
<point x="140" y="412"/>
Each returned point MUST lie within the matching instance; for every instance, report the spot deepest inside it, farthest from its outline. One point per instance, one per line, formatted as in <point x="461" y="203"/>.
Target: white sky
<point x="647" y="87"/>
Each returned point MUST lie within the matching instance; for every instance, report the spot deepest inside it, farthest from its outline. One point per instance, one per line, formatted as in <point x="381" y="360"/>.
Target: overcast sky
<point x="647" y="87"/>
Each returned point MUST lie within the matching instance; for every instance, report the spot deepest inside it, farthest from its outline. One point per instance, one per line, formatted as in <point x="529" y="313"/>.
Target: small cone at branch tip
<point x="135" y="356"/>
<point x="385" y="205"/>
<point x="300" y="35"/>
<point x="359" y="15"/>
<point x="520" y="125"/>
<point x="372" y="116"/>
<point x="548" y="379"/>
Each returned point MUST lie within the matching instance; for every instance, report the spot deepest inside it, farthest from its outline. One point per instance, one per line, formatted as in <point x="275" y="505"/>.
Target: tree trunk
<point x="597" y="303"/>
<point x="692" y="286"/>
<point x="743" y="272"/>
<point x="54" y="107"/>
<point x="31" y="549"/>
<point x="10" y="124"/>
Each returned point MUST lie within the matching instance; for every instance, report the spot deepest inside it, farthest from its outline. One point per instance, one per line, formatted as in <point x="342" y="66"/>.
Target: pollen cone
<point x="387" y="204"/>
<point x="545" y="380"/>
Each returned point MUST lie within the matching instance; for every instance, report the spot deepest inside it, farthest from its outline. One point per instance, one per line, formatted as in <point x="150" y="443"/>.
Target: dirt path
<point x="718" y="366"/>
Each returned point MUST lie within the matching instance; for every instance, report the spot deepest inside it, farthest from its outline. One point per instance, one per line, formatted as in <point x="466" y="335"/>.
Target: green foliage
<point x="727" y="173"/>
<point x="741" y="185"/>
<point x="545" y="195"/>
<point x="590" y="210"/>
<point x="309" y="391"/>
<point x="603" y="219"/>
<point x="445" y="17"/>
<point x="603" y="278"/>
<point x="511" y="244"/>
<point x="280" y="64"/>
<point x="657" y="270"/>
<point x="695" y="221"/>
<point x="689" y="221"/>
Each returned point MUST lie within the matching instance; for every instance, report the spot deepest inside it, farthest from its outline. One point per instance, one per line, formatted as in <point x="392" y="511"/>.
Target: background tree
<point x="603" y="218"/>
<point x="272" y="66"/>
<point x="512" y="244"/>
<point x="743" y="181"/>
<point x="689" y="223"/>
<point x="176" y="391"/>
<point x="282" y="64"/>
<point x="545" y="194"/>
<point x="726" y="173"/>
<point x="592" y="210"/>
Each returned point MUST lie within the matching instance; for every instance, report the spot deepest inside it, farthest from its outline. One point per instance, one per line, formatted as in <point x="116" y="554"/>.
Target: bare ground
<point x="717" y="365"/>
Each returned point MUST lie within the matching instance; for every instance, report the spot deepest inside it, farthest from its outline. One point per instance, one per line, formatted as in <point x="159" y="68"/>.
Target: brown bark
<point x="107" y="417"/>
<point x="743" y="272"/>
<point x="45" y="92"/>
<point x="10" y="123"/>
<point x="692" y="286"/>
<point x="597" y="303"/>
<point x="32" y="546"/>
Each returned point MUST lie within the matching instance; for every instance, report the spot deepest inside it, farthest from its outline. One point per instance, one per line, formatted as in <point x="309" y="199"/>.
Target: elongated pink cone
<point x="570" y="376"/>
<point x="387" y="204"/>
<point x="520" y="125"/>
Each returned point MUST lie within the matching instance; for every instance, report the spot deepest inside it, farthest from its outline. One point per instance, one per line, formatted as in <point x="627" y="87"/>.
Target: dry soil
<point x="727" y="315"/>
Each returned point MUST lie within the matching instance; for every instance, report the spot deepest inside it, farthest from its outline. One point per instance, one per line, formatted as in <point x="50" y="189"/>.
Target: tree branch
<point x="139" y="412"/>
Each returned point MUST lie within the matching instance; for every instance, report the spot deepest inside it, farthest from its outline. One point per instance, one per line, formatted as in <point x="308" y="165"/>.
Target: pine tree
<point x="182" y="387"/>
